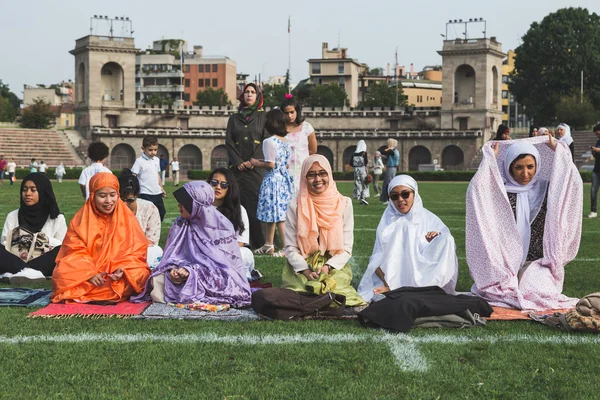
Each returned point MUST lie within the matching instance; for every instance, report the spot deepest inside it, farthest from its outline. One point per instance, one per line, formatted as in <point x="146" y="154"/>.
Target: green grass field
<point x="113" y="358"/>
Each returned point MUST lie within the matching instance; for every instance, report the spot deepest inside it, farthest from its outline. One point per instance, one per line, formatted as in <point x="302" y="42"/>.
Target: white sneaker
<point x="386" y="203"/>
<point x="592" y="214"/>
<point x="4" y="278"/>
<point x="365" y="202"/>
<point x="27" y="276"/>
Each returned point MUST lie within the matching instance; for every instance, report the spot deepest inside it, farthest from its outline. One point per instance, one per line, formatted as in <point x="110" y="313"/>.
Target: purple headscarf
<point x="206" y="246"/>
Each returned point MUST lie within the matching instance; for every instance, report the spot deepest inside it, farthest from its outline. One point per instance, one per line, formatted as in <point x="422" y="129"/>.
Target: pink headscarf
<point x="320" y="217"/>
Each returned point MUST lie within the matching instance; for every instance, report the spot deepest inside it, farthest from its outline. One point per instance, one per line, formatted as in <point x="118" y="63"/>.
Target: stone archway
<point x="112" y="83"/>
<point x="327" y="153"/>
<point x="122" y="156"/>
<point x="464" y="85"/>
<point x="347" y="155"/>
<point x="190" y="157"/>
<point x="418" y="155"/>
<point x="453" y="158"/>
<point x="219" y="157"/>
<point x="80" y="84"/>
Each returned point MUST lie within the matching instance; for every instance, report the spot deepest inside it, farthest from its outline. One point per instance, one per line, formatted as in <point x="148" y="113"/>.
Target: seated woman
<point x="319" y="235"/>
<point x="227" y="200"/>
<point x="413" y="246"/>
<point x="523" y="223"/>
<point x="103" y="256"/>
<point x="145" y="212"/>
<point x="32" y="234"/>
<point x="202" y="261"/>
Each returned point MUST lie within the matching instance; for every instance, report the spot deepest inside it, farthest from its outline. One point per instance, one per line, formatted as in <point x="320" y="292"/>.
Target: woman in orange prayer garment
<point x="103" y="255"/>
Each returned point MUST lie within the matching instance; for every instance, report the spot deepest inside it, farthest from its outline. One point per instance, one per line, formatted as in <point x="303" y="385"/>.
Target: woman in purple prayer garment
<point x="202" y="261"/>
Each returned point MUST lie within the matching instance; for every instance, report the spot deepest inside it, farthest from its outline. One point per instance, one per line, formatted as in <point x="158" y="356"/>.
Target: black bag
<point x="286" y="304"/>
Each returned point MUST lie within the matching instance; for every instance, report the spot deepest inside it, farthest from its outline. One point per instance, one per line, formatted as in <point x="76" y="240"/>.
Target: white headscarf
<point x="567" y="138"/>
<point x="402" y="252"/>
<point x="361" y="146"/>
<point x="541" y="131"/>
<point x="529" y="196"/>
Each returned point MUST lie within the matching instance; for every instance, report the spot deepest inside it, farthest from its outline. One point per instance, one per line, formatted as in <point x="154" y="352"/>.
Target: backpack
<point x="286" y="304"/>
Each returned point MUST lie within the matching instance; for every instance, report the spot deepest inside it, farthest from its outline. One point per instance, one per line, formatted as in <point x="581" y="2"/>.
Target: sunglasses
<point x="132" y="200"/>
<point x="320" y="174"/>
<point x="215" y="183"/>
<point x="404" y="194"/>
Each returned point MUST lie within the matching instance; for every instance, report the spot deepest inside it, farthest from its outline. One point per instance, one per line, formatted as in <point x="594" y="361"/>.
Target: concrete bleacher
<point x="48" y="145"/>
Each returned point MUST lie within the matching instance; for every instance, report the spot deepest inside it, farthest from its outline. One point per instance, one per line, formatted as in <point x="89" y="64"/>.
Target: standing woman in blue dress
<point x="277" y="186"/>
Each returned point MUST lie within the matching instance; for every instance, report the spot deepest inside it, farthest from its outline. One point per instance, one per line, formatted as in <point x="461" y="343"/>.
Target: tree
<point x="548" y="64"/>
<point x="375" y="71"/>
<point x="331" y="95"/>
<point x="381" y="94"/>
<point x="274" y="94"/>
<point x="577" y="112"/>
<point x="211" y="97"/>
<point x="39" y="115"/>
<point x="9" y="104"/>
<point x="302" y="91"/>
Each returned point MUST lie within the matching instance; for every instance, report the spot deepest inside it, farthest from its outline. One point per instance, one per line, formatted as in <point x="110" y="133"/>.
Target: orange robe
<point x="101" y="243"/>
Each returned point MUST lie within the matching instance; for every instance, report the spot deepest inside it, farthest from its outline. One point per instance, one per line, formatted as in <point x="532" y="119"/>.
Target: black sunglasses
<point x="215" y="183"/>
<point x="405" y="194"/>
<point x="132" y="200"/>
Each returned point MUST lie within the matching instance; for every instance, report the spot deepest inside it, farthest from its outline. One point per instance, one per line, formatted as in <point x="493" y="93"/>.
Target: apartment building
<point x="202" y="72"/>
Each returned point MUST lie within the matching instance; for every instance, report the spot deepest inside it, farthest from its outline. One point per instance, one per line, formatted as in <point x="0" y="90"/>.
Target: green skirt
<point x="338" y="281"/>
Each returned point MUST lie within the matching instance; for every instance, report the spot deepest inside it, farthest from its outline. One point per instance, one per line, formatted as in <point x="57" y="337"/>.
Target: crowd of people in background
<point x="110" y="252"/>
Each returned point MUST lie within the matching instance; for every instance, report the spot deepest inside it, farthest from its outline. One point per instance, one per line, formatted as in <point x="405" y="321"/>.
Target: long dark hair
<point x="290" y="101"/>
<point x="231" y="207"/>
<point x="128" y="183"/>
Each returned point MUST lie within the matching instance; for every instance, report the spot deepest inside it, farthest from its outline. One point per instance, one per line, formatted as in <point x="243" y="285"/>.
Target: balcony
<point x="464" y="106"/>
<point x="159" y="74"/>
<point x="159" y="88"/>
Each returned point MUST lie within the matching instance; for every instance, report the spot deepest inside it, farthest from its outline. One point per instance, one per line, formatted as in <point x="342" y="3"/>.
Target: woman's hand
<point x="323" y="270"/>
<point x="551" y="143"/>
<point x="254" y="162"/>
<point x="242" y="166"/>
<point x="248" y="165"/>
<point x="178" y="275"/>
<point x="97" y="280"/>
<point x="431" y="235"/>
<point x="381" y="289"/>
<point x="115" y="276"/>
<point x="311" y="276"/>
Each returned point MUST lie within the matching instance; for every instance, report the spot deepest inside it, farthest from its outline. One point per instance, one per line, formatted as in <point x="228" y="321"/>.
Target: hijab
<point x="567" y="138"/>
<point x="34" y="217"/>
<point x="529" y="196"/>
<point x="320" y="216"/>
<point x="361" y="147"/>
<point x="247" y="110"/>
<point x="502" y="129"/>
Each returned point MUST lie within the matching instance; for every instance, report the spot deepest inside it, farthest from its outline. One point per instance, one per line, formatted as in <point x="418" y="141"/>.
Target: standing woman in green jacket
<point x="244" y="137"/>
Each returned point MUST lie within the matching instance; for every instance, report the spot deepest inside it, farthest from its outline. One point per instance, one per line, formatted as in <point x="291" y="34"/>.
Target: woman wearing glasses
<point x="413" y="246"/>
<point x="227" y="201"/>
<point x="319" y="235"/>
<point x="145" y="212"/>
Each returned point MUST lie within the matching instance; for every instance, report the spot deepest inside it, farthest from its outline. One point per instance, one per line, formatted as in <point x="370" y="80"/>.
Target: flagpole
<point x="183" y="76"/>
<point x="289" y="53"/>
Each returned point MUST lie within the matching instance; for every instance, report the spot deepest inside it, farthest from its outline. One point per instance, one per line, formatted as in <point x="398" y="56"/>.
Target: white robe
<point x="403" y="254"/>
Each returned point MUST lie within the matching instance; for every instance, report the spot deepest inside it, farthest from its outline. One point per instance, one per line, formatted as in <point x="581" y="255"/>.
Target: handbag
<point x="369" y="179"/>
<point x="286" y="304"/>
<point x="27" y="245"/>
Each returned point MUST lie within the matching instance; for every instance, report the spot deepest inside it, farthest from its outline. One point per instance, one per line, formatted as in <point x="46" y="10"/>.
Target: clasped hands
<point x="314" y="275"/>
<point x="101" y="278"/>
<point x="245" y="166"/>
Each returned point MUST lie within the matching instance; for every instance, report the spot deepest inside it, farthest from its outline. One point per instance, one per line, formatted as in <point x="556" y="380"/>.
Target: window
<point x="200" y="67"/>
<point x="207" y="68"/>
<point x="113" y="121"/>
<point x="316" y="68"/>
<point x="342" y="83"/>
<point x="215" y="83"/>
<point x="505" y="94"/>
<point x="207" y="82"/>
<point x="186" y="68"/>
<point x="340" y="68"/>
<point x="200" y="82"/>
<point x="186" y="96"/>
<point x="215" y="67"/>
<point x="187" y="83"/>
<point x="504" y="78"/>
<point x="505" y="109"/>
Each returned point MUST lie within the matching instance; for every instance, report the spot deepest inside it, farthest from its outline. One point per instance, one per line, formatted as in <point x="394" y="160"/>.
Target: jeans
<point x="388" y="175"/>
<point x="595" y="186"/>
<point x="376" y="184"/>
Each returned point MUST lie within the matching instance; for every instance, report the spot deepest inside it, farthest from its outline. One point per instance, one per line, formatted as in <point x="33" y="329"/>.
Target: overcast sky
<point x="36" y="35"/>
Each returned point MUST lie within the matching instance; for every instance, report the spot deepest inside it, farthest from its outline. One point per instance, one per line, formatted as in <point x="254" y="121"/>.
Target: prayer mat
<point x="511" y="314"/>
<point x="165" y="311"/>
<point x="85" y="310"/>
<point x="21" y="297"/>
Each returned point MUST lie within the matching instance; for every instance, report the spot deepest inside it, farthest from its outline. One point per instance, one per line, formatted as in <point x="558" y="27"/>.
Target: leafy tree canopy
<point x="274" y="94"/>
<point x="331" y="95"/>
<point x="211" y="97"/>
<point x="380" y="94"/>
<point x="579" y="113"/>
<point x="548" y="64"/>
<point x="38" y="115"/>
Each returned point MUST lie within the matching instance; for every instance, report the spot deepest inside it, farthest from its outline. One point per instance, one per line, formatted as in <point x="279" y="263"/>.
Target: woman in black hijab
<point x="32" y="234"/>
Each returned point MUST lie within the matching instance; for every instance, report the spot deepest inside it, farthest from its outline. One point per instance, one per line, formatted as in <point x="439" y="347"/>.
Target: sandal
<point x="266" y="249"/>
<point x="279" y="253"/>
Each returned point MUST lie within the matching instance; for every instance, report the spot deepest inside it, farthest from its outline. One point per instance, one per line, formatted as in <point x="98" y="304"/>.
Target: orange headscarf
<point x="101" y="243"/>
<point x="320" y="217"/>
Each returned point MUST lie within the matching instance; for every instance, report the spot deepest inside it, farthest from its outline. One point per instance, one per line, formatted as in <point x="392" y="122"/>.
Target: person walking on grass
<point x="2" y="169"/>
<point x="595" y="174"/>
<point x="11" y="168"/>
<point x="175" y="171"/>
<point x="147" y="170"/>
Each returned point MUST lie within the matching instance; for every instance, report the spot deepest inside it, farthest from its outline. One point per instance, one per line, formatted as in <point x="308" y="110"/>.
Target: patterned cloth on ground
<point x="21" y="297"/>
<point x="165" y="311"/>
<point x="125" y="309"/>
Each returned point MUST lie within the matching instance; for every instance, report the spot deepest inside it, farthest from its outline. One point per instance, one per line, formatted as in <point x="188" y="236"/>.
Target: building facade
<point x="513" y="115"/>
<point x="202" y="72"/>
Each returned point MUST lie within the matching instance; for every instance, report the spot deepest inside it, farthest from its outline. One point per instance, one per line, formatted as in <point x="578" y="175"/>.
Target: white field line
<point x="404" y="348"/>
<point x="464" y="258"/>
